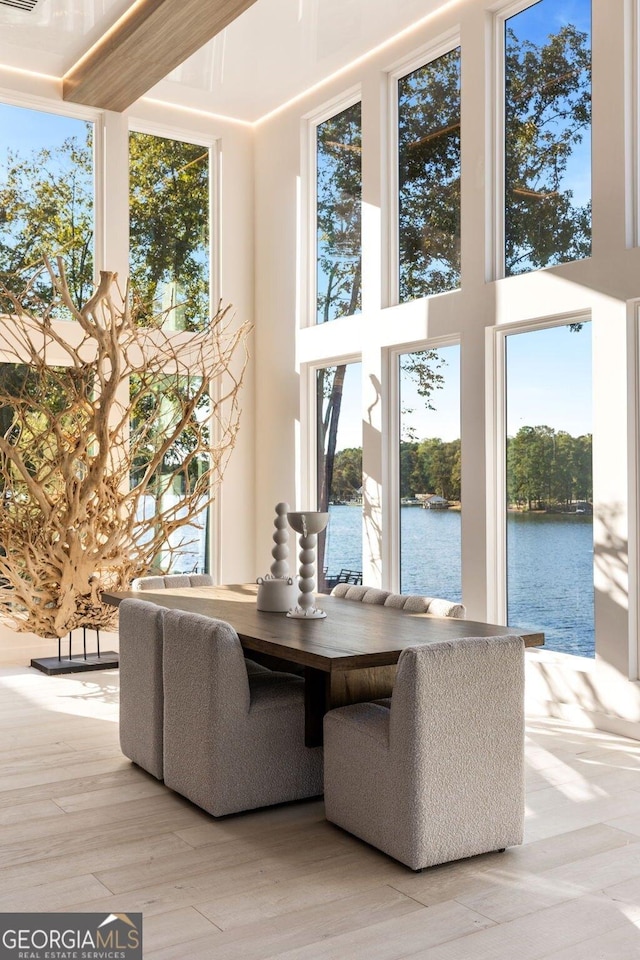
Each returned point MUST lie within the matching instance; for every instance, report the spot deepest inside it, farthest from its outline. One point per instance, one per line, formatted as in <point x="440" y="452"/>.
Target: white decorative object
<point x="308" y="524"/>
<point x="277" y="591"/>
<point x="280" y="550"/>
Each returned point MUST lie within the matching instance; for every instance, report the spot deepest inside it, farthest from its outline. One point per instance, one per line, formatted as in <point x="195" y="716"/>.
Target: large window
<point x="338" y="215"/>
<point x="549" y="486"/>
<point x="46" y="198"/>
<point x="169" y="229"/>
<point x="430" y="472"/>
<point x="339" y="472"/>
<point x="547" y="135"/>
<point x="172" y="491"/>
<point x="429" y="178"/>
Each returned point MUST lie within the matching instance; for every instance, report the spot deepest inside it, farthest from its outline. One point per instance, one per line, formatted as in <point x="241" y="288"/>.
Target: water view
<point x="550" y="576"/>
<point x="549" y="566"/>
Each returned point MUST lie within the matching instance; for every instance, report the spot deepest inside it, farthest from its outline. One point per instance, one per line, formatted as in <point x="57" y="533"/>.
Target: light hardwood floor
<point x="83" y="829"/>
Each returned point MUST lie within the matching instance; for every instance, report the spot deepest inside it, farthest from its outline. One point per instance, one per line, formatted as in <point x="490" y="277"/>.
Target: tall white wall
<point x="604" y="287"/>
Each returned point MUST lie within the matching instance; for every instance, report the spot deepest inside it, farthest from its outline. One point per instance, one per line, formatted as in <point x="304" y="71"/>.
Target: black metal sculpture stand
<point x="88" y="661"/>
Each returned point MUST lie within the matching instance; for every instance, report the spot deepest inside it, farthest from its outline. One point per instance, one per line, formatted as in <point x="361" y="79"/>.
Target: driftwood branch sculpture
<point x="102" y="422"/>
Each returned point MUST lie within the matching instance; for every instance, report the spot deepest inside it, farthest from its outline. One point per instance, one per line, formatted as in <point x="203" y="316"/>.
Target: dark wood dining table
<point x="348" y="657"/>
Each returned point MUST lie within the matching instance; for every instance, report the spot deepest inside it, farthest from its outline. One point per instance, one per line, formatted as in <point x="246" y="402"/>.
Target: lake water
<point x="549" y="566"/>
<point x="189" y="541"/>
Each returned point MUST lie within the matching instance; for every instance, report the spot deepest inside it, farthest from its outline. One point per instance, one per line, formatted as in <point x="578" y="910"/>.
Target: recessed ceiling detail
<point x="150" y="40"/>
<point x="27" y="5"/>
<point x="268" y="55"/>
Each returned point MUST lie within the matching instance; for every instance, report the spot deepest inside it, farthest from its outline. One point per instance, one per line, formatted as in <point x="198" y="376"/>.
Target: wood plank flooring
<point x="83" y="829"/>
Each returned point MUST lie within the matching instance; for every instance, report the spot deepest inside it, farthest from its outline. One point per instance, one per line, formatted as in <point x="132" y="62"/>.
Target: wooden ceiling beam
<point x="146" y="44"/>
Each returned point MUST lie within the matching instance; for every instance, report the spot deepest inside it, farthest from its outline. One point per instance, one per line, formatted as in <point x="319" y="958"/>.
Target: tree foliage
<point x="169" y="228"/>
<point x="347" y="475"/>
<point x="429" y="178"/>
<point x="46" y="209"/>
<point x="338" y="215"/>
<point x="548" y="110"/>
<point x="547" y="116"/>
<point x="85" y="444"/>
<point x="547" y="467"/>
<point x="430" y="466"/>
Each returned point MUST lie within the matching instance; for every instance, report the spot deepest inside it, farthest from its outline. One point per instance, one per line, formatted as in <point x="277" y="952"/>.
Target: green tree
<point x="547" y="116"/>
<point x="338" y="214"/>
<point x="562" y="478"/>
<point x="429" y="178"/>
<point x="408" y="464"/>
<point x="456" y="471"/>
<point x="583" y="467"/>
<point x="437" y="468"/>
<point x="548" y="468"/>
<point x="347" y="474"/>
<point x="46" y="209"/>
<point x="548" y="109"/>
<point x="522" y="456"/>
<point x="169" y="228"/>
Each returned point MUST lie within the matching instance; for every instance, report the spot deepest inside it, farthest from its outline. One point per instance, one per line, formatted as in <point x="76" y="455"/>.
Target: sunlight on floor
<point x="95" y="697"/>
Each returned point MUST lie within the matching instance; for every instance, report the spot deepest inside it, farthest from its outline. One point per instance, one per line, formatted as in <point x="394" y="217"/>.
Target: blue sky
<point x="549" y="380"/>
<point x="548" y="375"/>
<point x="444" y="421"/>
<point x="23" y="131"/>
<point x="547" y="16"/>
<point x="535" y="24"/>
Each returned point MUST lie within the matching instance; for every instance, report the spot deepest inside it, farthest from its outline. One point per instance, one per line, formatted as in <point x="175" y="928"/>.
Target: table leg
<point x="324" y="691"/>
<point x="316" y="697"/>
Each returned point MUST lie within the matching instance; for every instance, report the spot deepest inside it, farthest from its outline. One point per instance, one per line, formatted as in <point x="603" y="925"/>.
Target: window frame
<point x="391" y="543"/>
<point x="111" y="137"/>
<point x="90" y="115"/>
<point x="309" y="210"/>
<point x="496" y="467"/>
<point x="443" y="44"/>
<point x="497" y="141"/>
<point x="308" y="417"/>
<point x="214" y="148"/>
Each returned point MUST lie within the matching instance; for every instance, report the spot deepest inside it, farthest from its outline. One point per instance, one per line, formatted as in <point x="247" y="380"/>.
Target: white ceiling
<point x="270" y="54"/>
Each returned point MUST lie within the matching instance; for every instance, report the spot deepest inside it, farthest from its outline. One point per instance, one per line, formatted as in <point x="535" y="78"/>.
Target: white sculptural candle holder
<point x="277" y="591"/>
<point x="308" y="524"/>
<point x="280" y="551"/>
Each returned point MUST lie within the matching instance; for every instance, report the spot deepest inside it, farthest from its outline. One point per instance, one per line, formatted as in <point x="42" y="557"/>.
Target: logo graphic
<point x="61" y="936"/>
<point x="118" y="916"/>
